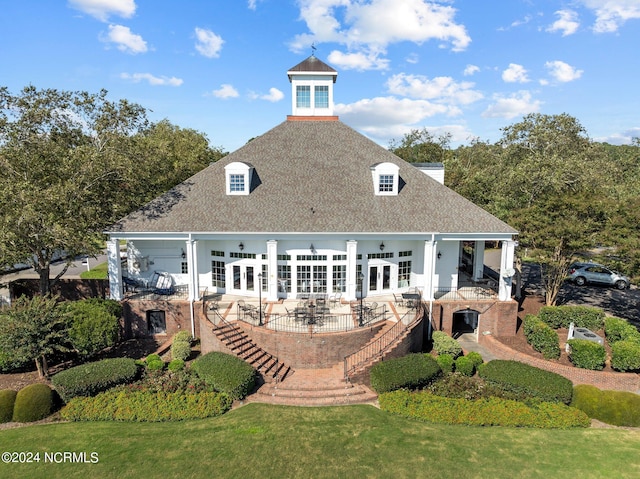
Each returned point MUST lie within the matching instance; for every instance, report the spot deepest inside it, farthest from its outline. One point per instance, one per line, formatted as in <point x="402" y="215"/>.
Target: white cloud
<point x="471" y="70"/>
<point x="387" y="111"/>
<point x="412" y="58"/>
<point x="252" y="4"/>
<point x="624" y="138"/>
<point x="151" y="79"/>
<point x="611" y="14"/>
<point x="125" y="40"/>
<point x="439" y="89"/>
<point x="515" y="74"/>
<point x="371" y="26"/>
<point x="208" y="43"/>
<point x="274" y="95"/>
<point x="103" y="9"/>
<point x="567" y="23"/>
<point x="516" y="104"/>
<point x="360" y="61"/>
<point x="563" y="72"/>
<point x="226" y="91"/>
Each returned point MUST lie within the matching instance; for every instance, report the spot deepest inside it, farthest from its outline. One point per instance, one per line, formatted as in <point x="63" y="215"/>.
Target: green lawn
<point x="97" y="272"/>
<point x="265" y="441"/>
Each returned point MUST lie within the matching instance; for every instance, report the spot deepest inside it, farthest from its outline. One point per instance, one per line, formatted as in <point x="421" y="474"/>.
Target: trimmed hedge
<point x="92" y="378"/>
<point x="410" y="371"/>
<point x="445" y="344"/>
<point x="587" y="354"/>
<point x="93" y="324"/>
<point x="476" y="358"/>
<point x="481" y="412"/>
<point x="225" y="373"/>
<point x="581" y="316"/>
<point x="619" y="408"/>
<point x="7" y="400"/>
<point x="176" y="365"/>
<point x="522" y="378"/>
<point x="465" y="366"/>
<point x="446" y="363"/>
<point x="625" y="355"/>
<point x="616" y="329"/>
<point x="146" y="406"/>
<point x="33" y="402"/>
<point x="541" y="337"/>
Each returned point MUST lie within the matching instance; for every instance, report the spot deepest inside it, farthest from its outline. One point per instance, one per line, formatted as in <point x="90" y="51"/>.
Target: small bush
<point x="93" y="324"/>
<point x="465" y="366"/>
<point x="541" y="337"/>
<point x="145" y="406"/>
<point x="155" y="364"/>
<point x="152" y="357"/>
<point x="476" y="358"/>
<point x="176" y="365"/>
<point x="587" y="354"/>
<point x="180" y="350"/>
<point x="91" y="378"/>
<point x="482" y="412"/>
<point x="625" y="355"/>
<point x="581" y="316"/>
<point x="183" y="336"/>
<point x="446" y="363"/>
<point x="7" y="400"/>
<point x="616" y="329"/>
<point x="33" y="402"/>
<point x="445" y="344"/>
<point x="410" y="371"/>
<point x="521" y="378"/>
<point x="619" y="408"/>
<point x="225" y="373"/>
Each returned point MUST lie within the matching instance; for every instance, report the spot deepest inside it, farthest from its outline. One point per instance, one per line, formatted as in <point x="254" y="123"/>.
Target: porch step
<point x="243" y="346"/>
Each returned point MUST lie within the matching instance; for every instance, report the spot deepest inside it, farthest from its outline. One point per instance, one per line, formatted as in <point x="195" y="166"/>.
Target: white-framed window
<point x="385" y="183"/>
<point x="236" y="183"/>
<point x="238" y="176"/>
<point x="385" y="178"/>
<point x="303" y="96"/>
<point x="321" y="99"/>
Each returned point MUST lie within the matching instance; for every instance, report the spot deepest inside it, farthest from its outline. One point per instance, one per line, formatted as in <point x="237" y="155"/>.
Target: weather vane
<point x="313" y="49"/>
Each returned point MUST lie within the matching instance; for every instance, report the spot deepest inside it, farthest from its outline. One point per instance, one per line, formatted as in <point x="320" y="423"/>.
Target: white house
<point x="312" y="206"/>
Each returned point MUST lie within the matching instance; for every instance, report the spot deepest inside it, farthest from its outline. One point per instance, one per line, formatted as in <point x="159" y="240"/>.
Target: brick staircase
<point x="243" y="346"/>
<point x="314" y="387"/>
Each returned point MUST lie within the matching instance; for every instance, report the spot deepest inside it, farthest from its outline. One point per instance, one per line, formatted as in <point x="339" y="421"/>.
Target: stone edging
<point x="601" y="379"/>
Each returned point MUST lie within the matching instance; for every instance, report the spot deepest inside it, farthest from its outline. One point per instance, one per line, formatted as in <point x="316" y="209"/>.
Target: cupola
<point x="312" y="88"/>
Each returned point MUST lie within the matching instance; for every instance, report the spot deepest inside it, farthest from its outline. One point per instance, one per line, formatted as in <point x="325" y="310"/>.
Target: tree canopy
<point x="75" y="162"/>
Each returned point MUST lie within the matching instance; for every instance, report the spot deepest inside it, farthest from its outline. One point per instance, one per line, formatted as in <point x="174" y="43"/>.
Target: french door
<point x="243" y="278"/>
<point x="379" y="278"/>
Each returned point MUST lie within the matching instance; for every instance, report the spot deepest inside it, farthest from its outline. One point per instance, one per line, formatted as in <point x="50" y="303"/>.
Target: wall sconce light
<point x="241" y="246"/>
<point x="183" y="254"/>
<point x="382" y="246"/>
<point x="312" y="248"/>
<point x="439" y="254"/>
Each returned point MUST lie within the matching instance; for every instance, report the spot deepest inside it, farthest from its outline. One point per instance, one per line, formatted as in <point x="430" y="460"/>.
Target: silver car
<point x="594" y="273"/>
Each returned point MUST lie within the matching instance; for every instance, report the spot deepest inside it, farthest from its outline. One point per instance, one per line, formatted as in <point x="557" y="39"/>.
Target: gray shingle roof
<point x="312" y="176"/>
<point x="313" y="64"/>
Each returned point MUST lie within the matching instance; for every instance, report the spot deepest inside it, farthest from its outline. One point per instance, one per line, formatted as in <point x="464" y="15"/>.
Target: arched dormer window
<point x="385" y="179"/>
<point x="238" y="178"/>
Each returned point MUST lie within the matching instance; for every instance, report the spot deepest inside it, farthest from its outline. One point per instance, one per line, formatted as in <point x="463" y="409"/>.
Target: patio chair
<point x="398" y="300"/>
<point x="334" y="299"/>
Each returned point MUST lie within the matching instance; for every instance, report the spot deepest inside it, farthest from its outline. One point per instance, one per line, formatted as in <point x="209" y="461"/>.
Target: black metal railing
<point x="469" y="293"/>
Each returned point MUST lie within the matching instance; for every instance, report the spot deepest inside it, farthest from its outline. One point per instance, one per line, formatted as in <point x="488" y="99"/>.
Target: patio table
<point x="411" y="299"/>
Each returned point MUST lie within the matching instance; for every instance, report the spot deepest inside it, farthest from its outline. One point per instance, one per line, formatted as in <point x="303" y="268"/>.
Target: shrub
<point x="482" y="412"/>
<point x="619" y="408"/>
<point x="445" y="361"/>
<point x="33" y="402"/>
<point x="155" y="365"/>
<point x="410" y="371"/>
<point x="465" y="366"/>
<point x="445" y="344"/>
<point x="7" y="400"/>
<point x="587" y="354"/>
<point x="476" y="358"/>
<point x="93" y="326"/>
<point x="625" y="355"/>
<point x="616" y="329"/>
<point x="152" y="357"/>
<point x="183" y="336"/>
<point x="91" y="378"/>
<point x="522" y="378"/>
<point x="146" y="406"/>
<point x="581" y="316"/>
<point x="180" y="350"/>
<point x="176" y="365"/>
<point x="541" y="337"/>
<point x="225" y="373"/>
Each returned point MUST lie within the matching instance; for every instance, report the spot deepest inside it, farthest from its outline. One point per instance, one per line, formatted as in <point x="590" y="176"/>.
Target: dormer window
<point x="238" y="178"/>
<point x="385" y="179"/>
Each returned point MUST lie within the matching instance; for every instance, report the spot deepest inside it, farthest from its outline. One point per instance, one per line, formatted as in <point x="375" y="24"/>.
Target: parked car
<point x="594" y="273"/>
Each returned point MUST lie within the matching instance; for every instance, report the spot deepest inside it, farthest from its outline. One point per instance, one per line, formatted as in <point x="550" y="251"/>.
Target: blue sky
<point x="467" y="67"/>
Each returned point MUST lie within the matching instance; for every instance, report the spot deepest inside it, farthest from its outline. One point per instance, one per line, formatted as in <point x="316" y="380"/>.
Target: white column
<point x="272" y="267"/>
<point x="114" y="269"/>
<point x="352" y="280"/>
<point x="478" y="260"/>
<point x="506" y="270"/>
<point x="430" y="282"/>
<point x="192" y="269"/>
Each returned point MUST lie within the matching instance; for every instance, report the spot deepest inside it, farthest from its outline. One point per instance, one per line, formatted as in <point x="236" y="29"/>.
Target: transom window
<point x="236" y="183"/>
<point x="321" y="96"/>
<point x="303" y="96"/>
